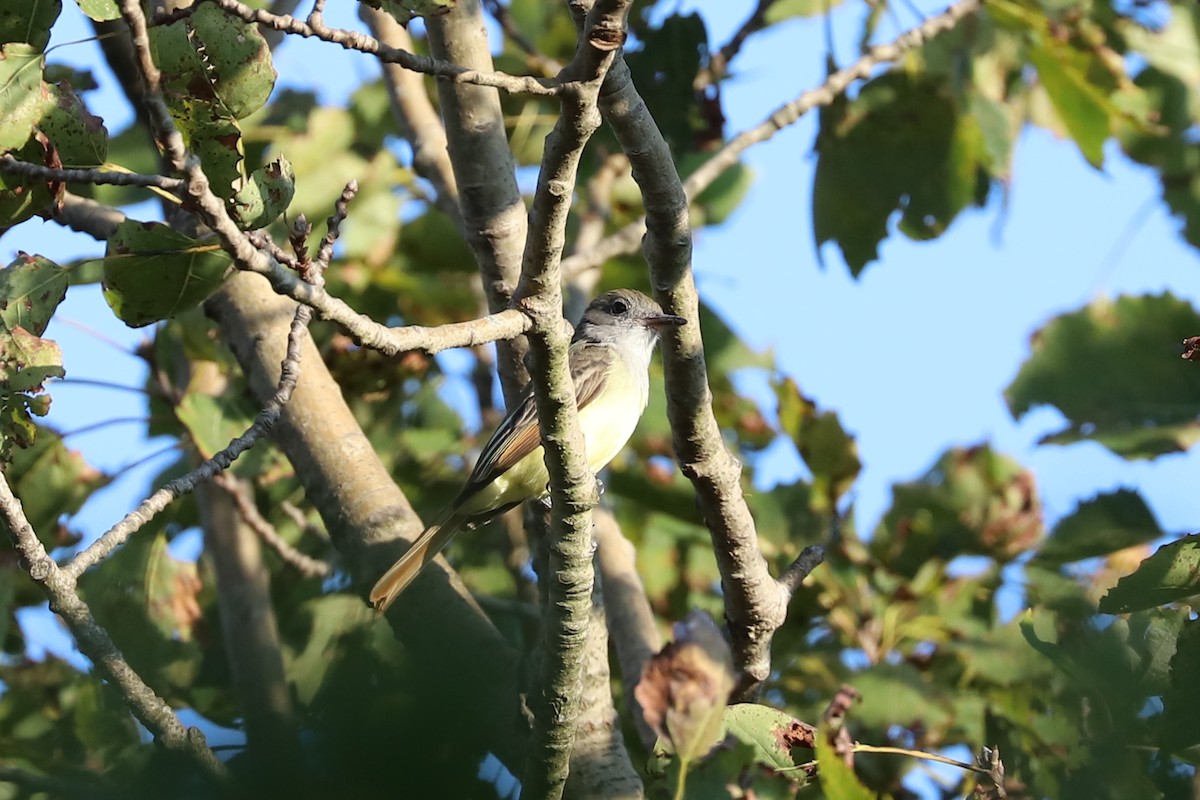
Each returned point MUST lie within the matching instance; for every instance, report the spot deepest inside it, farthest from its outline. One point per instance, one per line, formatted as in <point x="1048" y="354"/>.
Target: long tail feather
<point x="426" y="548"/>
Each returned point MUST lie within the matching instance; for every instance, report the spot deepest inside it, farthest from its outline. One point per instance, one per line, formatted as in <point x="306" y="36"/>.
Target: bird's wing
<point x="518" y="435"/>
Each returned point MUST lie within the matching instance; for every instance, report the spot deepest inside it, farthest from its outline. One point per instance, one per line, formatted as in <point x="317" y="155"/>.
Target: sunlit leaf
<point x="52" y="482"/>
<point x="266" y="195"/>
<point x="837" y="778"/>
<point x="24" y="99"/>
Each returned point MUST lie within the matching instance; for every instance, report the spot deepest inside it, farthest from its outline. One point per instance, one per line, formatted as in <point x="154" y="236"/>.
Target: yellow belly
<point x="607" y="423"/>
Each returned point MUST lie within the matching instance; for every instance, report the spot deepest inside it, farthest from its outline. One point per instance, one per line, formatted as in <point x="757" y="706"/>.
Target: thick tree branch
<point x="755" y="604"/>
<point x="252" y="644"/>
<point x="59" y="587"/>
<point x="315" y="27"/>
<point x="493" y="213"/>
<point x="627" y="239"/>
<point x="569" y="573"/>
<point x="470" y="670"/>
<point x="600" y="765"/>
<point x="631" y="625"/>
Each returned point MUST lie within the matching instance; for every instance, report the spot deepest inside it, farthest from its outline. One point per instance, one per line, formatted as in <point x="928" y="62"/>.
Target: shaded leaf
<point x="830" y="453"/>
<point x="973" y="501"/>
<point x="901" y="144"/>
<point x="664" y="69"/>
<point x="405" y="10"/>
<point x="151" y="272"/>
<point x="1101" y="525"/>
<point x="1146" y="407"/>
<point x="28" y="21"/>
<point x="1172" y="573"/>
<point x="51" y="482"/>
<point x="1181" y="724"/>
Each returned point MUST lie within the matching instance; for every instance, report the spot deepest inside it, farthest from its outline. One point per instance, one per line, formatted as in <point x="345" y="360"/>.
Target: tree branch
<point x="631" y="623"/>
<point x="243" y="500"/>
<point x="251" y="636"/>
<point x="59" y="587"/>
<point x="755" y="604"/>
<point x="493" y="213"/>
<point x="93" y="176"/>
<point x="573" y="486"/>
<point x="315" y="28"/>
<point x="600" y="765"/>
<point x="467" y="667"/>
<point x="627" y="239"/>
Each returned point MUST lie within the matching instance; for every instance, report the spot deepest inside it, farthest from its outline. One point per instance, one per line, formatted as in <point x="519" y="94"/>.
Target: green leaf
<point x="332" y="618"/>
<point x="838" y="780"/>
<point x="664" y="69"/>
<point x="1113" y="370"/>
<point x="215" y="59"/>
<point x="28" y="21"/>
<point x="78" y="136"/>
<point x="24" y="99"/>
<point x="26" y="361"/>
<point x="216" y="138"/>
<point x="1173" y="48"/>
<point x="974" y="501"/>
<point x="1172" y="573"/>
<point x="1083" y="110"/>
<point x="100" y="10"/>
<point x="51" y="482"/>
<point x="901" y="145"/>
<point x="1181" y="723"/>
<point x="265" y="196"/>
<point x="1104" y="524"/>
<point x="772" y="733"/>
<point x="722" y="197"/>
<point x="151" y="272"/>
<point x="830" y="453"/>
<point x="31" y="287"/>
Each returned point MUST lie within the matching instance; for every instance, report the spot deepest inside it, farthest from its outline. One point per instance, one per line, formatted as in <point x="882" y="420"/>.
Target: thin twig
<point x="60" y="588"/>
<point x="90" y="176"/>
<point x="629" y="238"/>
<point x="353" y="40"/>
<point x="305" y="564"/>
<point x="155" y="503"/>
<point x="718" y="64"/>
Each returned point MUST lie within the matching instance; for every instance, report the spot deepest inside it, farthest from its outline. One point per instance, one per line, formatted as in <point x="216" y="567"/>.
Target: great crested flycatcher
<point x="610" y="360"/>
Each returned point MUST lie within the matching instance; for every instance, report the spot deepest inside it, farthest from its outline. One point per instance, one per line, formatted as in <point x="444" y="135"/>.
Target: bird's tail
<point x="426" y="548"/>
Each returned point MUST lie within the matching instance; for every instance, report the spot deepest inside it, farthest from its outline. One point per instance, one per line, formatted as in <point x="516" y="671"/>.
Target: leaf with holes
<point x="214" y="58"/>
<point x="265" y="196"/>
<point x="31" y="287"/>
<point x="152" y="272"/>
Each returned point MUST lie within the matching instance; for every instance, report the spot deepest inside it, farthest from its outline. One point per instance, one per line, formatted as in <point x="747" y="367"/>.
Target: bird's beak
<point x="660" y="322"/>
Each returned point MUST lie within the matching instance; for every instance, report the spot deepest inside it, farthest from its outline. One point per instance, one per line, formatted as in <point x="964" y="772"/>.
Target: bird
<point x="609" y="359"/>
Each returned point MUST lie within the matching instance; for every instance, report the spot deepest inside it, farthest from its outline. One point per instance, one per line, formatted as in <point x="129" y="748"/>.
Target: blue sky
<point x="914" y="356"/>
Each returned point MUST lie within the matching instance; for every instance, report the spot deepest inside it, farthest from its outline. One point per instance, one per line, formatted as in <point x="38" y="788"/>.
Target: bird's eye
<point x="619" y="307"/>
